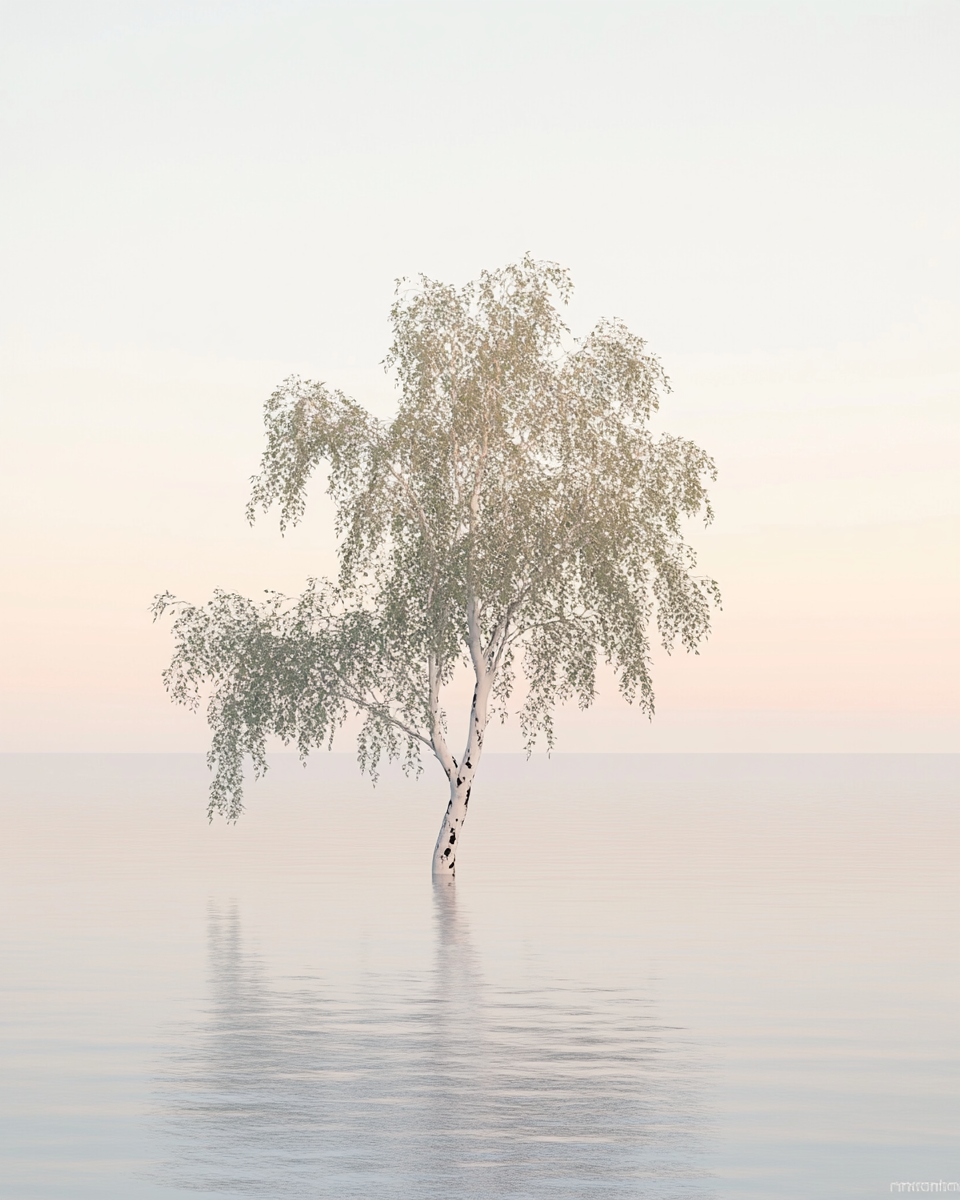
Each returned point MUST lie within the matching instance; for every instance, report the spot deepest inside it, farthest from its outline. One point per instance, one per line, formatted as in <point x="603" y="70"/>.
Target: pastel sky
<point x="202" y="198"/>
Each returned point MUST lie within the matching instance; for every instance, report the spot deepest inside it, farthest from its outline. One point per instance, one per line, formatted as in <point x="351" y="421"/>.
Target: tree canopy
<point x="517" y="515"/>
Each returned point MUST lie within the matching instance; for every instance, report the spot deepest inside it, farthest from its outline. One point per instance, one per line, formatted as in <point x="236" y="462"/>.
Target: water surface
<point x="656" y="976"/>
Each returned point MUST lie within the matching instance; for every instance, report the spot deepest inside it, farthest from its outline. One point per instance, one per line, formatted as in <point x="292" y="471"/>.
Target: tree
<point x="516" y="515"/>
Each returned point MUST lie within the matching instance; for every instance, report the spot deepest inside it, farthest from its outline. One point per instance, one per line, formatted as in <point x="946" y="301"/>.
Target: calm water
<point x="724" y="976"/>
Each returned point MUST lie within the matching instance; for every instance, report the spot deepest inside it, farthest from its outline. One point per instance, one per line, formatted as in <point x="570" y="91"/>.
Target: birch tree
<point x="517" y="517"/>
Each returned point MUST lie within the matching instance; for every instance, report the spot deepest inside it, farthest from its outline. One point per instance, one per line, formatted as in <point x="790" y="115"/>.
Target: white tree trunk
<point x="445" y="852"/>
<point x="461" y="781"/>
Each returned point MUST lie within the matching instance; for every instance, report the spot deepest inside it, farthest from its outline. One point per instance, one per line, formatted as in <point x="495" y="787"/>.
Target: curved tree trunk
<point x="461" y="781"/>
<point x="445" y="852"/>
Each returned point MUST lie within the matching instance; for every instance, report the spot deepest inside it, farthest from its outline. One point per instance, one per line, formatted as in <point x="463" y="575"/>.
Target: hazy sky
<point x="202" y="198"/>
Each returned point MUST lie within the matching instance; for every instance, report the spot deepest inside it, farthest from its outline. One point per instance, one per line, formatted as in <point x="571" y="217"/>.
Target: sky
<point x="200" y="199"/>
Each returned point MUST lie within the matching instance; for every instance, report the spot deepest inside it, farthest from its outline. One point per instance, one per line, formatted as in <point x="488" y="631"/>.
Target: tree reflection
<point x="446" y="1084"/>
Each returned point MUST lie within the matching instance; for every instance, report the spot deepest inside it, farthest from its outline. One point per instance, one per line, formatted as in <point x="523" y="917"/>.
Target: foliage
<point x="517" y="514"/>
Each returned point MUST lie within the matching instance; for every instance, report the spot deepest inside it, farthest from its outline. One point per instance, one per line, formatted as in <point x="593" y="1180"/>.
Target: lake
<point x="656" y="976"/>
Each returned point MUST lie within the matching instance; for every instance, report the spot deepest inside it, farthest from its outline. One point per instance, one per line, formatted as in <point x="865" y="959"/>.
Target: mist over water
<point x="657" y="976"/>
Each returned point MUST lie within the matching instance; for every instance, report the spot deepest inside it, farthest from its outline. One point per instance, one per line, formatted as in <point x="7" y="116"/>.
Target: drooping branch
<point x="293" y="670"/>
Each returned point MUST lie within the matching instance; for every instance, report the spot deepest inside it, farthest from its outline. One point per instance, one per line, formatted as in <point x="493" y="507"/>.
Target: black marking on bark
<point x="446" y="852"/>
<point x="453" y="837"/>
